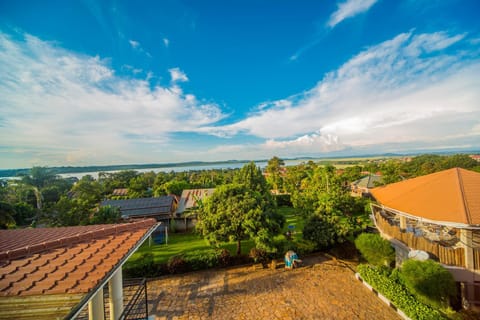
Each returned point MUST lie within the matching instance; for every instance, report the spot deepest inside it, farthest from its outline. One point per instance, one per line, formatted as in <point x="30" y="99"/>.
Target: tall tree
<point x="236" y="212"/>
<point x="274" y="173"/>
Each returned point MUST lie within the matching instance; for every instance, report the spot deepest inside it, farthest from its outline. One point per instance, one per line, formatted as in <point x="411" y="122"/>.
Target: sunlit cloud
<point x="410" y="88"/>
<point x="348" y="9"/>
<point x="56" y="104"/>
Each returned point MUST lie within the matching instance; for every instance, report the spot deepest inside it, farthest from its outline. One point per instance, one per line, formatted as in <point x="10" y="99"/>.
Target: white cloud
<point x="177" y="75"/>
<point x="166" y="42"/>
<point x="410" y="88"/>
<point x="348" y="9"/>
<point x="55" y="104"/>
<point x="134" y="44"/>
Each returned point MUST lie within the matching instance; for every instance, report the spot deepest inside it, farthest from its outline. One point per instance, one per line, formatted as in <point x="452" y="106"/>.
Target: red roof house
<point x="53" y="273"/>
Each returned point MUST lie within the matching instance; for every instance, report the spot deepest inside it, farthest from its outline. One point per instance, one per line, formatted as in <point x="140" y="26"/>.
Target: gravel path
<point x="322" y="289"/>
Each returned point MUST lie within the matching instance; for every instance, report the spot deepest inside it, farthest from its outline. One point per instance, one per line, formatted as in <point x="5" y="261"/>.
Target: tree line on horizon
<point x="43" y="198"/>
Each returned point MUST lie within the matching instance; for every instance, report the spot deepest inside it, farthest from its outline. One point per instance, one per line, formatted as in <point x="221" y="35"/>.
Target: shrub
<point x="303" y="247"/>
<point x="177" y="264"/>
<point x="145" y="268"/>
<point x="398" y="294"/>
<point x="429" y="282"/>
<point x="376" y="250"/>
<point x="202" y="259"/>
<point x="224" y="258"/>
<point x="259" y="256"/>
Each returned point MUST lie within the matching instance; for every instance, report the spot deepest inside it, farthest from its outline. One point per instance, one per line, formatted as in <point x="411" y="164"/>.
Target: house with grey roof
<point x="362" y="186"/>
<point x="160" y="208"/>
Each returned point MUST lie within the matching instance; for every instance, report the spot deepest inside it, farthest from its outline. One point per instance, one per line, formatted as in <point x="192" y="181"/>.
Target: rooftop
<point x="449" y="196"/>
<point x="190" y="197"/>
<point x="61" y="265"/>
<point x="143" y="207"/>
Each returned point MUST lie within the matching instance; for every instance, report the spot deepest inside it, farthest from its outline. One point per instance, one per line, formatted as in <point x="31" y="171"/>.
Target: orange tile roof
<point x="64" y="261"/>
<point x="451" y="195"/>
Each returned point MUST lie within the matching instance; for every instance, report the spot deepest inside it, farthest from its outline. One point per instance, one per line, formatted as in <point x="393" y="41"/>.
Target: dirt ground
<point x="323" y="288"/>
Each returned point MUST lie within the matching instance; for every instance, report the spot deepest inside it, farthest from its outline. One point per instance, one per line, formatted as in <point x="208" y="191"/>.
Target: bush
<point x="177" y="264"/>
<point x="224" y="258"/>
<point x="429" y="282"/>
<point x="202" y="259"/>
<point x="145" y="268"/>
<point x="398" y="294"/>
<point x="303" y="247"/>
<point x="259" y="256"/>
<point x="376" y="250"/>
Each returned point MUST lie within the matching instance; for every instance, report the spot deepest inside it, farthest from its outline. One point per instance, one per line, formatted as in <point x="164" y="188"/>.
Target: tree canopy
<point x="234" y="213"/>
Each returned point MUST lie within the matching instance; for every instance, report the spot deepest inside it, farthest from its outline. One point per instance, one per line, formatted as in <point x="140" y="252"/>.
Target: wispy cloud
<point x="412" y="86"/>
<point x="138" y="47"/>
<point x="345" y="10"/>
<point x="349" y="9"/>
<point x="177" y="75"/>
<point x="134" y="44"/>
<point x="56" y="104"/>
<point x="166" y="42"/>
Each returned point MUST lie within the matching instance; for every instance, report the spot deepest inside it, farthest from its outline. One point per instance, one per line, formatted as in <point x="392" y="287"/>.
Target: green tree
<point x="274" y="173"/>
<point x="106" y="214"/>
<point x="320" y="232"/>
<point x="234" y="213"/>
<point x="251" y="176"/>
<point x="24" y="214"/>
<point x="6" y="215"/>
<point x="376" y="250"/>
<point x="70" y="212"/>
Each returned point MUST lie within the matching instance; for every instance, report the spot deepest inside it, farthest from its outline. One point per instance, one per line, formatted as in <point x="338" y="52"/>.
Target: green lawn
<point x="183" y="242"/>
<point x="292" y="219"/>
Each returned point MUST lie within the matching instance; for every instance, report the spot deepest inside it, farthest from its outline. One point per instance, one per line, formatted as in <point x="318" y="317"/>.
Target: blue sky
<point x="115" y="82"/>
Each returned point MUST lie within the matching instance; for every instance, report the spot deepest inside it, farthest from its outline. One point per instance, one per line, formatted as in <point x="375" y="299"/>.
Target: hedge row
<point x="398" y="294"/>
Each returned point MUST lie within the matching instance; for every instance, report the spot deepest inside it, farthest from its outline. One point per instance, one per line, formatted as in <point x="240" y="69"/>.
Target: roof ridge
<point x="78" y="237"/>
<point x="466" y="210"/>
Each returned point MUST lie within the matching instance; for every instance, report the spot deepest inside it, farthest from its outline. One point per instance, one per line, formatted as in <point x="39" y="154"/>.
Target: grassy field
<point x="184" y="242"/>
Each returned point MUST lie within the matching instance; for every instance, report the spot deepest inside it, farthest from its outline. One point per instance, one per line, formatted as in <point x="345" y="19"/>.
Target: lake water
<point x="237" y="165"/>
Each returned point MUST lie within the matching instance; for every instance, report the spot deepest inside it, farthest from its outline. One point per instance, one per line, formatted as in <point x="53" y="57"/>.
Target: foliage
<point x="235" y="212"/>
<point x="428" y="281"/>
<point x="6" y="215"/>
<point x="376" y="250"/>
<point x="106" y="214"/>
<point x="398" y="294"/>
<point x="24" y="213"/>
<point x="70" y="212"/>
<point x="259" y="255"/>
<point x="198" y="260"/>
<point x="177" y="264"/>
<point x="320" y="232"/>
<point x="251" y="177"/>
<point x="274" y="176"/>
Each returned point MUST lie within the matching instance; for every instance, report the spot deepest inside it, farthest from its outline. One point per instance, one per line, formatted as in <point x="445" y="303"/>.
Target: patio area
<point x="322" y="289"/>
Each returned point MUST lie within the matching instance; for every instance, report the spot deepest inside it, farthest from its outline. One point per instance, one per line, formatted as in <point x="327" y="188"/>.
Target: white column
<point x="115" y="287"/>
<point x="95" y="306"/>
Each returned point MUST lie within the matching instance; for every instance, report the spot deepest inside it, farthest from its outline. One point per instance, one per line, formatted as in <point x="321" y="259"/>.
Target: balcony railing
<point x="446" y="255"/>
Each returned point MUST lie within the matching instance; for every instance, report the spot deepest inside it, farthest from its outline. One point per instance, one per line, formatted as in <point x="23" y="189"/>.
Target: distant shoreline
<point x="65" y="170"/>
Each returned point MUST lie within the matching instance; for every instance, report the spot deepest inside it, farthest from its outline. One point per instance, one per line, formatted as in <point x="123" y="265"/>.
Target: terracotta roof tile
<point x="67" y="260"/>
<point x="447" y="196"/>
